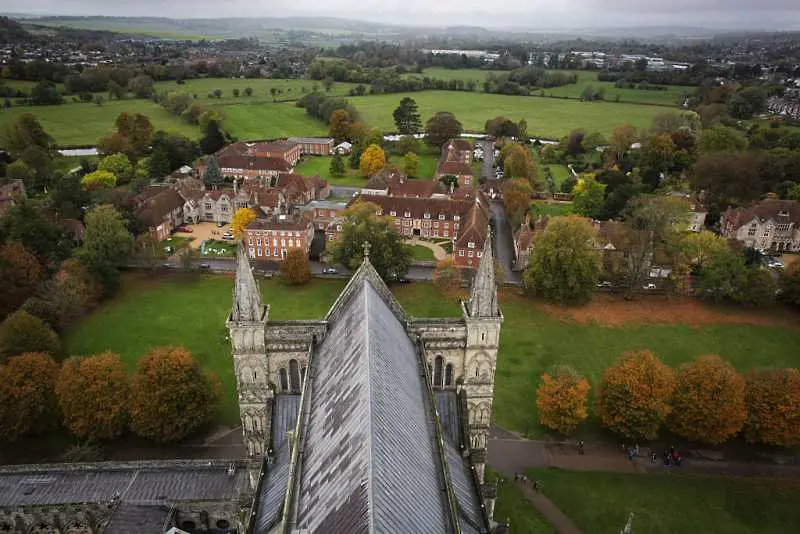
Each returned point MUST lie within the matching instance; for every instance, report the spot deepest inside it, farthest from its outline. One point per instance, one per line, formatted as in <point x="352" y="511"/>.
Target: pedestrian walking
<point x="636" y="450"/>
<point x="535" y="485"/>
<point x="580" y="447"/>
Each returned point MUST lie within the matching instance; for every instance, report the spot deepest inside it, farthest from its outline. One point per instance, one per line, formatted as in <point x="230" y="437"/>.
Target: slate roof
<point x="284" y="418"/>
<point x="130" y="518"/>
<point x="766" y="209"/>
<point x="370" y="463"/>
<point x="447" y="407"/>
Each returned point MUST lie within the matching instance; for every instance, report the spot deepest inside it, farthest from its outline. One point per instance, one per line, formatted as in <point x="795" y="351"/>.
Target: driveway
<point x="203" y="232"/>
<point x="503" y="241"/>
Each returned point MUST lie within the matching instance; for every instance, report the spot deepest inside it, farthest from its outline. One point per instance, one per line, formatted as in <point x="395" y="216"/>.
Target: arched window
<point x="448" y="375"/>
<point x="284" y="379"/>
<point x="294" y="376"/>
<point x="437" y="371"/>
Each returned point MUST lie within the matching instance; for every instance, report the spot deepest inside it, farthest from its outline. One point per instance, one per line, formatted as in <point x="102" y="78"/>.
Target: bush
<point x="22" y="332"/>
<point x="295" y="269"/>
<point x="27" y="398"/>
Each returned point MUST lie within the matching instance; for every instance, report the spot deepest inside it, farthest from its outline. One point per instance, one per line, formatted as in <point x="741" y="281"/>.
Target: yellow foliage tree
<point x="241" y="219"/>
<point x="372" y="160"/>
<point x="561" y="400"/>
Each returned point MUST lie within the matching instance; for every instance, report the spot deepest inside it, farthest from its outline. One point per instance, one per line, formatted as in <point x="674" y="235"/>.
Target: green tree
<point x="564" y="265"/>
<point x="106" y="243"/>
<point x="501" y="127"/>
<point x="727" y="178"/>
<point x="141" y="86"/>
<point x="23" y="132"/>
<point x="19" y="170"/>
<point x="757" y="288"/>
<point x="28" y="225"/>
<point x="115" y="90"/>
<point x="22" y="332"/>
<point x="98" y="179"/>
<point x="522" y="127"/>
<point x="119" y="165"/>
<point x="518" y="162"/>
<point x="27" y="399"/>
<point x="659" y="152"/>
<point x="411" y="164"/>
<point x="406" y="117"/>
<point x="214" y="139"/>
<point x="442" y="127"/>
<point x="720" y="138"/>
<point x="387" y="252"/>
<point x="588" y="196"/>
<point x="622" y="138"/>
<point x="212" y="175"/>
<point x="722" y="275"/>
<point x="336" y="168"/>
<point x="406" y="144"/>
<point x="170" y="396"/>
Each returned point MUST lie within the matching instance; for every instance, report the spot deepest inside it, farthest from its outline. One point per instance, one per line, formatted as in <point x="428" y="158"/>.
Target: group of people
<point x="521" y="477"/>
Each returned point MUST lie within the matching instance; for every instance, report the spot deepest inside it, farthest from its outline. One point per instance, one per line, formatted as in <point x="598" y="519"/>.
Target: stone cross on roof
<point x="366" y="246"/>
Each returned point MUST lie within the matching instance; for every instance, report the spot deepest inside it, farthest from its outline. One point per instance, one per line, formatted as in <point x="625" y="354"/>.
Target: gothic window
<point x="437" y="371"/>
<point x="294" y="376"/>
<point x="483" y="415"/>
<point x="284" y="379"/>
<point x="448" y="375"/>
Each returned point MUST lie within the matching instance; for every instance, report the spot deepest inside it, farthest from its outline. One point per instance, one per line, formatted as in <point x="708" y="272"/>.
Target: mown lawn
<point x="421" y="253"/>
<point x="78" y="124"/>
<point x="552" y="209"/>
<point x="513" y="509"/>
<point x="269" y="121"/>
<point x="320" y="165"/>
<point x="285" y="90"/>
<point x="599" y="503"/>
<point x="546" y="117"/>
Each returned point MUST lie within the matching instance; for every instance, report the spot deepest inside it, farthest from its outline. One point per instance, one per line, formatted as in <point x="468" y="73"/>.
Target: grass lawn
<point x="599" y="503"/>
<point x="513" y="509"/>
<point x="77" y="124"/>
<point x="311" y="165"/>
<point x="560" y="173"/>
<point x="552" y="209"/>
<point x="214" y="247"/>
<point x="672" y="96"/>
<point x="547" y="117"/>
<point x="285" y="89"/>
<point x="269" y="121"/>
<point x="440" y="73"/>
<point x="421" y="253"/>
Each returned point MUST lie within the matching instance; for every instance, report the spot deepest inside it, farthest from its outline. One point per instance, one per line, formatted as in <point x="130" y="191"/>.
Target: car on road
<point x="205" y="266"/>
<point x="228" y="236"/>
<point x="220" y="224"/>
<point x="329" y="270"/>
<point x="269" y="274"/>
<point x="605" y="283"/>
<point x="775" y="264"/>
<point x="184" y="230"/>
<point x="649" y="287"/>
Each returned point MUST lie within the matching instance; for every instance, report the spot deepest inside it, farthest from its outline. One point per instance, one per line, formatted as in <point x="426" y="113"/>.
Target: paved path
<point x="438" y="252"/>
<point x="503" y="240"/>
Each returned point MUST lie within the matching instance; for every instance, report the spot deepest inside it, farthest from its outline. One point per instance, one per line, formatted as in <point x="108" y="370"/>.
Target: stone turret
<point x="483" y="320"/>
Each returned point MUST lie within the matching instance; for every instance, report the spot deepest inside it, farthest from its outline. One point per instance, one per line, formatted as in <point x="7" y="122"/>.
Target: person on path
<point x="636" y="450"/>
<point x="580" y="447"/>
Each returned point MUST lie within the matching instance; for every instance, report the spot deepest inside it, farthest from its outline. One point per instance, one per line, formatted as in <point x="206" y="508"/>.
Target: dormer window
<point x="456" y="218"/>
<point x="427" y="215"/>
<point x="407" y="214"/>
<point x="441" y="216"/>
<point x="393" y="213"/>
<point x="470" y="245"/>
<point x="379" y="213"/>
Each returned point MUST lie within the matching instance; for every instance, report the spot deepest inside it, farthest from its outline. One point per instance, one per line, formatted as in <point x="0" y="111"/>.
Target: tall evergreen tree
<point x="406" y="117"/>
<point x="213" y="140"/>
<point x="212" y="176"/>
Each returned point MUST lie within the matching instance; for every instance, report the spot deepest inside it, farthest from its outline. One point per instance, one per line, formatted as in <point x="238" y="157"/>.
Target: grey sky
<point x="534" y="14"/>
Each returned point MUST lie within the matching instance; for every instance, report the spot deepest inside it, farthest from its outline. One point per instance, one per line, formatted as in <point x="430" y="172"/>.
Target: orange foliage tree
<point x="517" y="196"/>
<point x="241" y="219"/>
<point x="634" y="396"/>
<point x="372" y="160"/>
<point x="27" y="399"/>
<point x="561" y="399"/>
<point x="709" y="401"/>
<point x="447" y="279"/>
<point x="296" y="269"/>
<point x="92" y="393"/>
<point x="170" y="395"/>
<point x="20" y="272"/>
<point x="340" y="125"/>
<point x="773" y="407"/>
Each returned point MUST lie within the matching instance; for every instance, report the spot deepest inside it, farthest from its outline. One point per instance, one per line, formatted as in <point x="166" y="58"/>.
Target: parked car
<point x="605" y="283"/>
<point x="228" y="236"/>
<point x="220" y="224"/>
<point x="649" y="287"/>
<point x="205" y="266"/>
<point x="184" y="229"/>
<point x="775" y="264"/>
<point x="329" y="270"/>
<point x="269" y="274"/>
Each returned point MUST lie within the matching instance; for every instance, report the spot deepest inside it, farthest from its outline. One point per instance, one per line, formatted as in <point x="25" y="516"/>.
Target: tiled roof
<point x="456" y="168"/>
<point x="417" y="207"/>
<point x="280" y="222"/>
<point x="271" y="146"/>
<point x="158" y="203"/>
<point x="253" y="163"/>
<point x="461" y="145"/>
<point x="475" y="225"/>
<point x="311" y="140"/>
<point x="766" y="209"/>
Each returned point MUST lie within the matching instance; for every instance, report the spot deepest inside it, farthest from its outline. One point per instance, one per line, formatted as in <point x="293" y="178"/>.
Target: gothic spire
<point x="246" y="294"/>
<point x="483" y="295"/>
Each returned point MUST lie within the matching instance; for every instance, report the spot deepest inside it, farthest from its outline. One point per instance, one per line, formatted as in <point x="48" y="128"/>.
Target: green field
<point x="420" y="253"/>
<point x="546" y="117"/>
<point x="190" y="310"/>
<point x="551" y="209"/>
<point x="320" y="165"/>
<point x="289" y="90"/>
<point x="440" y="73"/>
<point x="269" y="121"/>
<point x="599" y="503"/>
<point x="560" y="174"/>
<point x="77" y="124"/>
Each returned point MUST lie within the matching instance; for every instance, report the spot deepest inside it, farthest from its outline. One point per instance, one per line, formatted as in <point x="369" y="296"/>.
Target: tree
<point x="450" y="181"/>
<point x="673" y="121"/>
<point x="790" y="285"/>
<point x="573" y="144"/>
<point x="407" y="144"/>
<point x="372" y="160"/>
<point x="442" y="127"/>
<point x="24" y="132"/>
<point x="773" y="407"/>
<point x="659" y="152"/>
<point x="622" y="138"/>
<point x="501" y="127"/>
<point x="241" y="220"/>
<point x="214" y="139"/>
<point x="138" y="129"/>
<point x="115" y="90"/>
<point x="564" y="265"/>
<point x="720" y="138"/>
<point x="115" y="143"/>
<point x="336" y="168"/>
<point x="28" y="225"/>
<point x="591" y="93"/>
<point x="634" y="395"/>
<point x="406" y="117"/>
<point x="92" y="395"/>
<point x="411" y="164"/>
<point x="561" y="400"/>
<point x="158" y="164"/>
<point x="447" y="279"/>
<point x="727" y="178"/>
<point x="388" y="254"/>
<point x="19" y="170"/>
<point x="170" y="397"/>
<point x="518" y="162"/>
<point x="522" y="127"/>
<point x="709" y="401"/>
<point x="106" y="243"/>
<point x="722" y="275"/>
<point x="588" y="196"/>
<point x="212" y="176"/>
<point x="340" y="125"/>
<point x="21" y="273"/>
<point x="592" y="141"/>
<point x="119" y="165"/>
<point x="517" y="196"/>
<point x="757" y="289"/>
<point x="27" y="400"/>
<point x="236" y="93"/>
<point x="248" y="91"/>
<point x="22" y="332"/>
<point x="141" y="86"/>
<point x="296" y="269"/>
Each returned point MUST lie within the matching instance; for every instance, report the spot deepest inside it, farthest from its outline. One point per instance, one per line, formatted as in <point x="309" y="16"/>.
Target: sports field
<point x="546" y="117"/>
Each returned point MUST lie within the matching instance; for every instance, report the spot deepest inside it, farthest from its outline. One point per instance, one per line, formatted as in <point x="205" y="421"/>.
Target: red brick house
<point x="285" y="150"/>
<point x="456" y="160"/>
<point x="314" y="146"/>
<point x="468" y="247"/>
<point x="271" y="239"/>
<point x="323" y="212"/>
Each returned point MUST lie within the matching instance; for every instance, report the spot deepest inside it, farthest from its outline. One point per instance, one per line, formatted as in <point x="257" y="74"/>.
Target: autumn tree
<point x="92" y="395"/>
<point x="170" y="396"/>
<point x="516" y="197"/>
<point x="518" y="162"/>
<point x="119" y="165"/>
<point x="658" y="152"/>
<point x="340" y="125"/>
<point x="501" y="127"/>
<point x="773" y="407"/>
<point x="447" y="279"/>
<point x="561" y="399"/>
<point x="441" y="128"/>
<point x="372" y="160"/>
<point x="588" y="196"/>
<point x="709" y="401"/>
<point x="336" y="168"/>
<point x="296" y="269"/>
<point x="727" y="178"/>
<point x="634" y="396"/>
<point x="622" y="137"/>
<point x="674" y="121"/>
<point x="241" y="220"/>
<point x="27" y="399"/>
<point x="388" y="253"/>
<point x="411" y="164"/>
<point x="20" y="272"/>
<point x="22" y="332"/>
<point x="106" y="243"/>
<point x="98" y="179"/>
<point x="406" y="117"/>
<point x="564" y="265"/>
<point x="720" y="138"/>
<point x="790" y="285"/>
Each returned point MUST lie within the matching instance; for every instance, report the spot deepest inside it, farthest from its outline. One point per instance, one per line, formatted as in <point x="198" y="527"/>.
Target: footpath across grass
<point x="599" y="503"/>
<point x="513" y="509"/>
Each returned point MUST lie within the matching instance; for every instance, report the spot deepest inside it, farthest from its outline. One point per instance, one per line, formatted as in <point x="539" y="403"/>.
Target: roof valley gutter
<point x="290" y="511"/>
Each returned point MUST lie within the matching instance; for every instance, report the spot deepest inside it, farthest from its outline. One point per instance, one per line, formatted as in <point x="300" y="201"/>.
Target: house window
<point x="448" y="375"/>
<point x="752" y="230"/>
<point x="250" y="241"/>
<point x="456" y="218"/>
<point x="436" y="224"/>
<point x="471" y="244"/>
<point x="258" y="241"/>
<point x="208" y="206"/>
<point x="479" y="253"/>
<point x="441" y="216"/>
<point x="266" y="252"/>
<point x="379" y="213"/>
<point x="438" y="369"/>
<point x="259" y="251"/>
<point x="274" y="242"/>
<point x="446" y="233"/>
<point x="338" y="227"/>
<point x="436" y="233"/>
<point x="284" y="379"/>
<point x="455" y="226"/>
<point x="393" y="213"/>
<point x="283" y="234"/>
<point x="471" y="253"/>
<point x="252" y="252"/>
<point x="397" y="222"/>
<point x="283" y="242"/>
<point x="427" y="215"/>
<point x="461" y="252"/>
<point x="407" y="214"/>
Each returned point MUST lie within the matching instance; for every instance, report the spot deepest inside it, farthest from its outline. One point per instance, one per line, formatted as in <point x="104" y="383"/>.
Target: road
<point x="503" y="241"/>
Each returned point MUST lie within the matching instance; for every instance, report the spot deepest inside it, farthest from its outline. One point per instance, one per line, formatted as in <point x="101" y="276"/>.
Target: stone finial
<point x="483" y="295"/>
<point x="366" y="246"/>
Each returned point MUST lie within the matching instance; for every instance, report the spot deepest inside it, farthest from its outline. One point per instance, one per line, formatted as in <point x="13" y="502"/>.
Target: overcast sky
<point x="534" y="14"/>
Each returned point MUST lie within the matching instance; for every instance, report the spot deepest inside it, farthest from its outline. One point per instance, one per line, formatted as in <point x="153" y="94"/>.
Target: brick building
<point x="314" y="146"/>
<point x="322" y="212"/>
<point x="160" y="209"/>
<point x="271" y="239"/>
<point x="285" y="150"/>
<point x="456" y="160"/>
